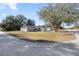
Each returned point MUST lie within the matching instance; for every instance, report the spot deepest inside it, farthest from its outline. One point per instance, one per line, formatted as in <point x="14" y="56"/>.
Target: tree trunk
<point x="56" y="29"/>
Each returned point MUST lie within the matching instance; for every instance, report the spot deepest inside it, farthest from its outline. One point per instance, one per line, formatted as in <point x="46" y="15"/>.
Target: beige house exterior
<point x="27" y="28"/>
<point x="35" y="28"/>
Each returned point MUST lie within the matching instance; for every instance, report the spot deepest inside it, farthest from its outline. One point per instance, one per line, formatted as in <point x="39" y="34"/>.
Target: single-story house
<point x="45" y="28"/>
<point x="35" y="28"/>
<point x="27" y="28"/>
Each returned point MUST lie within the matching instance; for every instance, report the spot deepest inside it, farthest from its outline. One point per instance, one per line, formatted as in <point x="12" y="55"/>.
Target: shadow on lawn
<point x="27" y="39"/>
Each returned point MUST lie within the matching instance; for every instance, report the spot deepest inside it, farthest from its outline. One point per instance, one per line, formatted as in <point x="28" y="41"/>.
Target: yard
<point x="46" y="36"/>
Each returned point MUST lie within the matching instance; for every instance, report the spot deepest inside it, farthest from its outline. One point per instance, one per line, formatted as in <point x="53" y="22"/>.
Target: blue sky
<point x="29" y="10"/>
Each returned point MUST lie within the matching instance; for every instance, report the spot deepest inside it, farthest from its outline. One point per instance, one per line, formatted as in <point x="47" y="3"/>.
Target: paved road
<point x="12" y="46"/>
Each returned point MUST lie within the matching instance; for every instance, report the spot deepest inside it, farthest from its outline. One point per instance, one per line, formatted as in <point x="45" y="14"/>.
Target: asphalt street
<point x="12" y="46"/>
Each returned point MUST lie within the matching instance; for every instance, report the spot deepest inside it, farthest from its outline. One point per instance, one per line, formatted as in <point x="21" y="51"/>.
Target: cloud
<point x="4" y="14"/>
<point x="12" y="6"/>
<point x="2" y="6"/>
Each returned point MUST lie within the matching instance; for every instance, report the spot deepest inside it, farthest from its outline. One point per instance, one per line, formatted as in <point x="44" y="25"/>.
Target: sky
<point x="29" y="10"/>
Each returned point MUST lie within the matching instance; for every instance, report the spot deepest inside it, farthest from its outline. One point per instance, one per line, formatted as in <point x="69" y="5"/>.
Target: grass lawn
<point x="48" y="36"/>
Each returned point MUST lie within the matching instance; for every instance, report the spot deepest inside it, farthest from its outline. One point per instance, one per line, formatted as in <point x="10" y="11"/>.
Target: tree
<point x="30" y="22"/>
<point x="20" y="21"/>
<point x="55" y="14"/>
<point x="7" y="23"/>
<point x="13" y="22"/>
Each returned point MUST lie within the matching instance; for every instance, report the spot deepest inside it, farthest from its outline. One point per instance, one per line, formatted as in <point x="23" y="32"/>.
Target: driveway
<point x="12" y="46"/>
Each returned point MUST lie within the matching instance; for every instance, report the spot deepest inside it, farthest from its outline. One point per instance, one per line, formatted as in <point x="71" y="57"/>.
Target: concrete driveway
<point x="12" y="46"/>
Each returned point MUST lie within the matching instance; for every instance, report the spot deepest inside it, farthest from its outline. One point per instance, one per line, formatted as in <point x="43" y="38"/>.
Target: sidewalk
<point x="2" y="32"/>
<point x="76" y="40"/>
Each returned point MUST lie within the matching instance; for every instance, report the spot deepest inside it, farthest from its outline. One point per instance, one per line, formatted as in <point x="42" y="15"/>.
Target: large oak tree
<point x="55" y="14"/>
